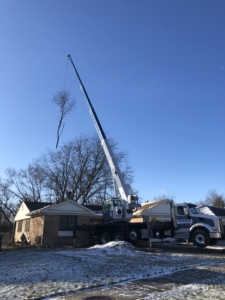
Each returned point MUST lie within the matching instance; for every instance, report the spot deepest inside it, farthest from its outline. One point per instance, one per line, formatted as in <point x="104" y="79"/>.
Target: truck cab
<point x="191" y="224"/>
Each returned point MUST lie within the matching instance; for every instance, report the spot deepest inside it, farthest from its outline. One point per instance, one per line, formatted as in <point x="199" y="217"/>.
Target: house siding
<point x="34" y="234"/>
<point x="17" y="234"/>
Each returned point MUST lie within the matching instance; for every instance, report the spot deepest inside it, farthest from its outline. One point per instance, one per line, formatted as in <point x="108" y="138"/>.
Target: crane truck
<point x="118" y="212"/>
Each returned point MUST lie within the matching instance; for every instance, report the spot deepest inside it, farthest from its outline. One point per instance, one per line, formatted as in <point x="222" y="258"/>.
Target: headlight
<point x="215" y="228"/>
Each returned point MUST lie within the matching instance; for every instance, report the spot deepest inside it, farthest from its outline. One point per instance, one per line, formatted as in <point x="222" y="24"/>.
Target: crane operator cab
<point x="112" y="209"/>
<point x="116" y="209"/>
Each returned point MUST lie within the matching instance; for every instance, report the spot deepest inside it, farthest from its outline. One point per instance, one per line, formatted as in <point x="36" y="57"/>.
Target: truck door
<point x="183" y="222"/>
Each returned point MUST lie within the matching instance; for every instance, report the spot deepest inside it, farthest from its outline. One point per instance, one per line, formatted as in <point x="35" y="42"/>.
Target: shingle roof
<point x="145" y="206"/>
<point x="36" y="205"/>
<point x="216" y="210"/>
<point x="94" y="207"/>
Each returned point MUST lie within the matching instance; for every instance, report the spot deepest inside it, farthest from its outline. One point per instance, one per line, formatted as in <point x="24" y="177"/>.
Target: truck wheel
<point x="201" y="238"/>
<point x="118" y="237"/>
<point x="213" y="242"/>
<point x="133" y="237"/>
<point x="104" y="238"/>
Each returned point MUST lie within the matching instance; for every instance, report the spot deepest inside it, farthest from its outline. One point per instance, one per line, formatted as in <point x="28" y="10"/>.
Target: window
<point x="27" y="225"/>
<point x="66" y="223"/>
<point x="107" y="206"/>
<point x="194" y="209"/>
<point x="117" y="203"/>
<point x="19" y="228"/>
<point x="180" y="210"/>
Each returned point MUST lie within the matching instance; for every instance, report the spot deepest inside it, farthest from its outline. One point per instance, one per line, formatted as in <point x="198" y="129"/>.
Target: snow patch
<point x="37" y="274"/>
<point x="120" y="245"/>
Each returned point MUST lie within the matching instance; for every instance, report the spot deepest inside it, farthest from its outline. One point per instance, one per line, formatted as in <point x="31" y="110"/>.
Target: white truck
<point x="182" y="221"/>
<point x="117" y="212"/>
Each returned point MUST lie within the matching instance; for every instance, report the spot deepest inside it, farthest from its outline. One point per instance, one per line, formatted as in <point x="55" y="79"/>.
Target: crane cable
<point x="66" y="75"/>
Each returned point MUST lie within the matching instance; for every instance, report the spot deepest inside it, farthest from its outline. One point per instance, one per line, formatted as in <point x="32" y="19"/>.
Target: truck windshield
<point x="193" y="209"/>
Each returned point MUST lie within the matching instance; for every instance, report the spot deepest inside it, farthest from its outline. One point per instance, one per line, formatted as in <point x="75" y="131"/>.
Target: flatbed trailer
<point x="127" y="231"/>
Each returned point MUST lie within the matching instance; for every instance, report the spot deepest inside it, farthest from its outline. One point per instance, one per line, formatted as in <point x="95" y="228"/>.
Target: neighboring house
<point x="212" y="210"/>
<point x="52" y="224"/>
<point x="148" y="209"/>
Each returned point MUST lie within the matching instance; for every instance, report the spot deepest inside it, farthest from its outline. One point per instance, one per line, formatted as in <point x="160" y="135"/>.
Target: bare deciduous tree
<point x="164" y="197"/>
<point x="7" y="207"/>
<point x="80" y="171"/>
<point x="26" y="184"/>
<point x="213" y="199"/>
<point x="65" y="104"/>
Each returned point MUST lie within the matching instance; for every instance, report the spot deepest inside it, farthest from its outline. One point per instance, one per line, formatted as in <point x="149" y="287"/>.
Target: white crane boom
<point x="117" y="176"/>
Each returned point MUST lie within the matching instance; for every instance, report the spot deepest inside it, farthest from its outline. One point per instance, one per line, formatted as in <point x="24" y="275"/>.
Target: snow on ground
<point x="39" y="273"/>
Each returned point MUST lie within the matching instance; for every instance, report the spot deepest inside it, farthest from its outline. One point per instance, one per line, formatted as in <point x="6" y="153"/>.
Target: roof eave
<point x="67" y="213"/>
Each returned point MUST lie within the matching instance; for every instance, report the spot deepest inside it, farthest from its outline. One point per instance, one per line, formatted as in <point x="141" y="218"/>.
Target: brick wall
<point x="83" y="236"/>
<point x="49" y="234"/>
<point x="51" y="228"/>
<point x="36" y="230"/>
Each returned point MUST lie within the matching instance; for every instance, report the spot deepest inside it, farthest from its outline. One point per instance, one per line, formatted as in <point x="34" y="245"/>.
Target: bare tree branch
<point x="65" y="104"/>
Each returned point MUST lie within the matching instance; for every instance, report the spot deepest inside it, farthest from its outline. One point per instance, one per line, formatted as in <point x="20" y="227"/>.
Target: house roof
<point x="94" y="207"/>
<point x="145" y="206"/>
<point x="39" y="205"/>
<point x="215" y="210"/>
<point x="27" y="207"/>
<point x="68" y="207"/>
<point x="36" y="205"/>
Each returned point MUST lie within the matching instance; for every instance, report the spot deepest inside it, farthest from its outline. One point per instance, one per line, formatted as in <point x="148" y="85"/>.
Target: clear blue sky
<point x="154" y="71"/>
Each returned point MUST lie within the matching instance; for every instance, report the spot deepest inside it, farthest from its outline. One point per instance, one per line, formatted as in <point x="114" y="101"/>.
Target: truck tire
<point x="104" y="238"/>
<point x="133" y="236"/>
<point x="200" y="238"/>
<point x="213" y="242"/>
<point x="118" y="237"/>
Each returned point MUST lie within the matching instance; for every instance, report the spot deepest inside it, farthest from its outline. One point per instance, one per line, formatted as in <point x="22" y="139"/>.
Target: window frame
<point x="20" y="226"/>
<point x="67" y="224"/>
<point x="27" y="225"/>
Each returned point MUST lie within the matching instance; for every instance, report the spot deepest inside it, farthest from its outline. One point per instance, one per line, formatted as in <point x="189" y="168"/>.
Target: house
<point x="43" y="223"/>
<point x="212" y="210"/>
<point x="150" y="210"/>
